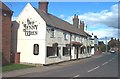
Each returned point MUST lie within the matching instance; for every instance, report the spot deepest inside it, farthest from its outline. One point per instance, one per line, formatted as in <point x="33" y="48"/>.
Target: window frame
<point x="75" y="38"/>
<point x="55" y="54"/>
<point x="65" y="36"/>
<point x="64" y="51"/>
<point x="36" y="49"/>
<point x="52" y="33"/>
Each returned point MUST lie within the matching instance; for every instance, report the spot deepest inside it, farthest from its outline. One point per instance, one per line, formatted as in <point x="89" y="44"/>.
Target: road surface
<point x="104" y="66"/>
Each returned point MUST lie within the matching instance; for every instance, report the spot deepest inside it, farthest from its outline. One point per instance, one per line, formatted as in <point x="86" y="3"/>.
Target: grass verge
<point x="13" y="67"/>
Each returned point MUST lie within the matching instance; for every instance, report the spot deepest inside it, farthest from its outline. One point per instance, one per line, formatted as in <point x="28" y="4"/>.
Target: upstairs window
<point x="81" y="39"/>
<point x="74" y="38"/>
<point x="52" y="33"/>
<point x="77" y="39"/>
<point x="36" y="49"/>
<point x="65" y="36"/>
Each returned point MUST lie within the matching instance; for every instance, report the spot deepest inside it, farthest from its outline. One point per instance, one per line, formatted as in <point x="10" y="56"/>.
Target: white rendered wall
<point x="73" y="52"/>
<point x="92" y="51"/>
<point x="25" y="43"/>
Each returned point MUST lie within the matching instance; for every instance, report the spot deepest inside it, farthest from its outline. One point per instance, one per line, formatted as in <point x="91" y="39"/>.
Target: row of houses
<point x="114" y="44"/>
<point x="39" y="37"/>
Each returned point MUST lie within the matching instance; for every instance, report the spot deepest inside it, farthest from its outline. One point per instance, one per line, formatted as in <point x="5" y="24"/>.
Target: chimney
<point x="75" y="21"/>
<point x="112" y="38"/>
<point x="43" y="6"/>
<point x="82" y="25"/>
<point x="118" y="39"/>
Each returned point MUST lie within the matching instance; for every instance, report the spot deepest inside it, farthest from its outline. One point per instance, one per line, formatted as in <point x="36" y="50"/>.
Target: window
<point x="65" y="35"/>
<point x="92" y="42"/>
<point x="81" y="50"/>
<point x="82" y="40"/>
<point x="88" y="49"/>
<point x="65" y="51"/>
<point x="77" y="39"/>
<point x="51" y="51"/>
<point x="52" y="33"/>
<point x="36" y="49"/>
<point x="74" y="38"/>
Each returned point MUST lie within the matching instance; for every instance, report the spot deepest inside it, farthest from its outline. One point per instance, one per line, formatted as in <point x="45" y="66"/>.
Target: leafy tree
<point x="113" y="44"/>
<point x="102" y="47"/>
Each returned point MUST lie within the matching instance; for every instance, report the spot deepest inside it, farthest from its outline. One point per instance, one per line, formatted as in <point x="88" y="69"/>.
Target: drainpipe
<point x="70" y="46"/>
<point x="77" y="53"/>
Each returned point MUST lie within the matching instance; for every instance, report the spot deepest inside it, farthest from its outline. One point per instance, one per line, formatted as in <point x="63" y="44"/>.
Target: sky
<point x="101" y="18"/>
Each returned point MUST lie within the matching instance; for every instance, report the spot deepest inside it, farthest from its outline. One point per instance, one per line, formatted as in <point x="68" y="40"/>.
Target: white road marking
<point x="77" y="76"/>
<point x="110" y="60"/>
<point x="104" y="63"/>
<point x="94" y="69"/>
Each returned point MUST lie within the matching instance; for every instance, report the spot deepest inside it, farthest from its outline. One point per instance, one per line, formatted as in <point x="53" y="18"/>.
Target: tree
<point x="102" y="47"/>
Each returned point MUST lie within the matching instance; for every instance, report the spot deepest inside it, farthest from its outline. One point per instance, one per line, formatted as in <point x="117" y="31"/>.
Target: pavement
<point x="17" y="73"/>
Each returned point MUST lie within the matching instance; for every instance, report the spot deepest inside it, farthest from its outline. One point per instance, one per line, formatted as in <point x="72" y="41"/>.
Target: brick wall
<point x="6" y="34"/>
<point x="17" y="57"/>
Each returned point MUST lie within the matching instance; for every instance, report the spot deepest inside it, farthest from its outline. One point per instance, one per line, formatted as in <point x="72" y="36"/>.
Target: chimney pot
<point x="118" y="39"/>
<point x="111" y="38"/>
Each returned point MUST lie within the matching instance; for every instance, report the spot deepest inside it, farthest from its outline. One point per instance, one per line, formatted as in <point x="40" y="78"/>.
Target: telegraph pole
<point x="106" y="44"/>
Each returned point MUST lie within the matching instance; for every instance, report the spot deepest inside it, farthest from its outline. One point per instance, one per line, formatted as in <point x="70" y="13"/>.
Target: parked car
<point x="112" y="51"/>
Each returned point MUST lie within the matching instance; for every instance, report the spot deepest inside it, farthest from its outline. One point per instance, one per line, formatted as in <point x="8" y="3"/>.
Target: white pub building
<point x="44" y="38"/>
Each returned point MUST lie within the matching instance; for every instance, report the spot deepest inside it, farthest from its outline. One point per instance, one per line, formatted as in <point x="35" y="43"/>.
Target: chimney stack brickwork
<point x="43" y="6"/>
<point x="76" y="21"/>
<point x="82" y="25"/>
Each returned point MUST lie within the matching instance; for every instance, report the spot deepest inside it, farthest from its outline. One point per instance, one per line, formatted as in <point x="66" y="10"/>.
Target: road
<point x="104" y="66"/>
